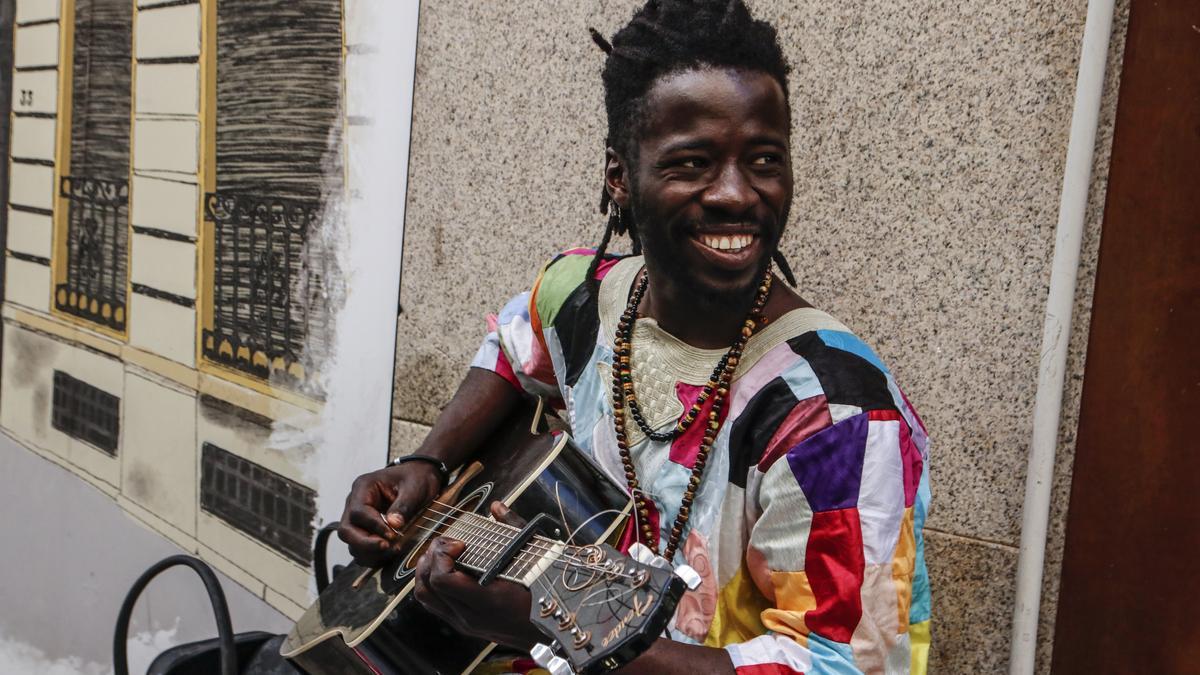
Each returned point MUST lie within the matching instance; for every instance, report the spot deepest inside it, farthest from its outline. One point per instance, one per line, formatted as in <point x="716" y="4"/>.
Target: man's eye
<point x="690" y="163"/>
<point x="767" y="160"/>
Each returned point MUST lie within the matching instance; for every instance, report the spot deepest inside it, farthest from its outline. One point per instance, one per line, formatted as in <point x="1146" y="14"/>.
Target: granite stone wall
<point x="929" y="144"/>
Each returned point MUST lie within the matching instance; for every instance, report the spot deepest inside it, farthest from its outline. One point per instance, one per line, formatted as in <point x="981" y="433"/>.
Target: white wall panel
<point x="36" y="10"/>
<point x="285" y="576"/>
<point x="168" y="89"/>
<point x="27" y="284"/>
<point x="36" y="91"/>
<point x="29" y="233"/>
<point x="166" y="145"/>
<point x="31" y="185"/>
<point x="26" y="389"/>
<point x="33" y="137"/>
<point x="163" y="328"/>
<point x="36" y="45"/>
<point x="166" y="265"/>
<point x="251" y="441"/>
<point x="165" y="205"/>
<point x="158" y="471"/>
<point x="171" y="31"/>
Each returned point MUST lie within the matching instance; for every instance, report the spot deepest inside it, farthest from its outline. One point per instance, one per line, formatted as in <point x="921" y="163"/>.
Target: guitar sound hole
<point x="435" y="520"/>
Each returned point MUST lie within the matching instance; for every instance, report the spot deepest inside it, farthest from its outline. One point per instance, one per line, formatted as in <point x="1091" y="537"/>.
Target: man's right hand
<point x="381" y="504"/>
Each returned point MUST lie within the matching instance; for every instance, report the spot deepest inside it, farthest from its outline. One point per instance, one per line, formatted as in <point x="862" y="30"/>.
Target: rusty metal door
<point x="1131" y="572"/>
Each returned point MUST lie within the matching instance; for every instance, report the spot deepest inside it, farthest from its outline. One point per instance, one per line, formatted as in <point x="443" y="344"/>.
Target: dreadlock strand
<point x="613" y="220"/>
<point x="784" y="268"/>
<point x="603" y="44"/>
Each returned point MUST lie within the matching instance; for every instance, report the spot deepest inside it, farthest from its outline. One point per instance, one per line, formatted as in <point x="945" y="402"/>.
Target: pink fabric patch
<point x="916" y="416"/>
<point x="540" y="366"/>
<point x="695" y="611"/>
<point x="767" y="669"/>
<point x="779" y="359"/>
<point x="504" y="369"/>
<point x="910" y="456"/>
<point x="604" y="267"/>
<point x="807" y="418"/>
<point x="686" y="446"/>
<point x="760" y="572"/>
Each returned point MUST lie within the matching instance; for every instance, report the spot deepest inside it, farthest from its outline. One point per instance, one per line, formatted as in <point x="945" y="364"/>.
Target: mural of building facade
<point x="176" y="166"/>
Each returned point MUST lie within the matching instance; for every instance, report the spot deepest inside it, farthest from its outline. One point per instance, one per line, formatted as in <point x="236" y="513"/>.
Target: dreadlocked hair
<point x="666" y="37"/>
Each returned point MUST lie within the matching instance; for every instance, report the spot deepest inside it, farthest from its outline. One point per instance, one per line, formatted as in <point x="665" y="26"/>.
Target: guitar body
<point x="367" y="621"/>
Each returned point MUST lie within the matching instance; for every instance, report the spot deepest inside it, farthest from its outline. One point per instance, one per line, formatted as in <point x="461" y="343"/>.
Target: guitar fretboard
<point x="487" y="540"/>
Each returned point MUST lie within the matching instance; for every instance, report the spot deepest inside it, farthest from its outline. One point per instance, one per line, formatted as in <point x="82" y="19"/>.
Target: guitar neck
<point x="487" y="541"/>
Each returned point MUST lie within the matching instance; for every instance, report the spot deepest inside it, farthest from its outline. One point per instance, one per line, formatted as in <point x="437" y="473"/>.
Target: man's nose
<point x="730" y="191"/>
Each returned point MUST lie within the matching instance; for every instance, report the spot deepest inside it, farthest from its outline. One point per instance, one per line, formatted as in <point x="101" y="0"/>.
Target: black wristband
<point x="442" y="469"/>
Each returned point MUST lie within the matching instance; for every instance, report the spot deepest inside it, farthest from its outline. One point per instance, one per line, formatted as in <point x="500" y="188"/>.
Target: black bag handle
<point x="216" y="595"/>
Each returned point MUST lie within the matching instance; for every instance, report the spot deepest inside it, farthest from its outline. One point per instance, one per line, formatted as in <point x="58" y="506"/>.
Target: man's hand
<point x="498" y="612"/>
<point x="381" y="504"/>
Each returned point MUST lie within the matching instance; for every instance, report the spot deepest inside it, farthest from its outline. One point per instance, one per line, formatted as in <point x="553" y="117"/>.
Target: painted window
<point x="265" y="505"/>
<point x="277" y="143"/>
<point x="92" y="280"/>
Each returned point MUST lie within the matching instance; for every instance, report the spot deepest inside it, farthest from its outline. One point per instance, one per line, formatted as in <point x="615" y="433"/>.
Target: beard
<point x="662" y="241"/>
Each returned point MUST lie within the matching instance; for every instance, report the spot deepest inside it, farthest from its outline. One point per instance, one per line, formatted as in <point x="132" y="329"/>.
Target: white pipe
<point x="1056" y="334"/>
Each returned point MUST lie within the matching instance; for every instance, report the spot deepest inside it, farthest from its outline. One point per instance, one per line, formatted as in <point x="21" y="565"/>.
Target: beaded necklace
<point x="717" y="388"/>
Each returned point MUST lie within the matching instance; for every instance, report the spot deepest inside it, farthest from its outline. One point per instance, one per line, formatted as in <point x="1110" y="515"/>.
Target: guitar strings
<point x="477" y="524"/>
<point x="517" y="529"/>
<point x="481" y="519"/>
<point x="494" y="546"/>
<point x="541" y="544"/>
<point x="477" y="529"/>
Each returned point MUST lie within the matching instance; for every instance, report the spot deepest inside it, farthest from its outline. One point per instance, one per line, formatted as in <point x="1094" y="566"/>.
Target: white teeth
<point x="727" y="243"/>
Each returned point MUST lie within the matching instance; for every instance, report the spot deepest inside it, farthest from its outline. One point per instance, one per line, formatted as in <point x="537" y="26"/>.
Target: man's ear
<point x="616" y="178"/>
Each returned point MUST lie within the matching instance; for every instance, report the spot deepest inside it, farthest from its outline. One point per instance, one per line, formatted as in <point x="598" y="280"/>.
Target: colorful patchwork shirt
<point x="806" y="529"/>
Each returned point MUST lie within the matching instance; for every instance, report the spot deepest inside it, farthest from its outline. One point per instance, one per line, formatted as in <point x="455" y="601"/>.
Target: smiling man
<point x="764" y="444"/>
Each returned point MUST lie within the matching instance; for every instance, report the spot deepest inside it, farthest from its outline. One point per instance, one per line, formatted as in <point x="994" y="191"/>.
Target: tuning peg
<point x="690" y="577"/>
<point x="542" y="653"/>
<point x="544" y="656"/>
<point x="642" y="553"/>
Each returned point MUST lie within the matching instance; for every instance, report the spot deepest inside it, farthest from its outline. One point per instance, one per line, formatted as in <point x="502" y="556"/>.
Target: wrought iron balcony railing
<point x="268" y="301"/>
<point x="97" y="245"/>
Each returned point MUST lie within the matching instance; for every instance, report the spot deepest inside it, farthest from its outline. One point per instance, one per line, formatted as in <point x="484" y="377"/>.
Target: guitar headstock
<point x="601" y="608"/>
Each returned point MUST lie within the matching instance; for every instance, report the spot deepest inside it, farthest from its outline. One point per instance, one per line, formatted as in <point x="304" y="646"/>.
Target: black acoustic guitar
<point x="598" y="608"/>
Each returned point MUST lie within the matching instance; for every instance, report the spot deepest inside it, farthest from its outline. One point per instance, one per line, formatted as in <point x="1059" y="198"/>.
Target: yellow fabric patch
<point x="903" y="564"/>
<point x="793" y="599"/>
<point x="740" y="608"/>
<point x="918" y="637"/>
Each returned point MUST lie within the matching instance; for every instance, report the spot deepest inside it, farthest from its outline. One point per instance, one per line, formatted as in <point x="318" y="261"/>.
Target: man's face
<point x="712" y="183"/>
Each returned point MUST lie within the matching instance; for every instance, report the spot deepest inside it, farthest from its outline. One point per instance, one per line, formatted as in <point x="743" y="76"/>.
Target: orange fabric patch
<point x="740" y="608"/>
<point x="903" y="564"/>
<point x="794" y="598"/>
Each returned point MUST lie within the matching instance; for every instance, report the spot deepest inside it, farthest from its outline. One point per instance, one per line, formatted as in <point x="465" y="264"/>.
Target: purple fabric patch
<point x="828" y="465"/>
